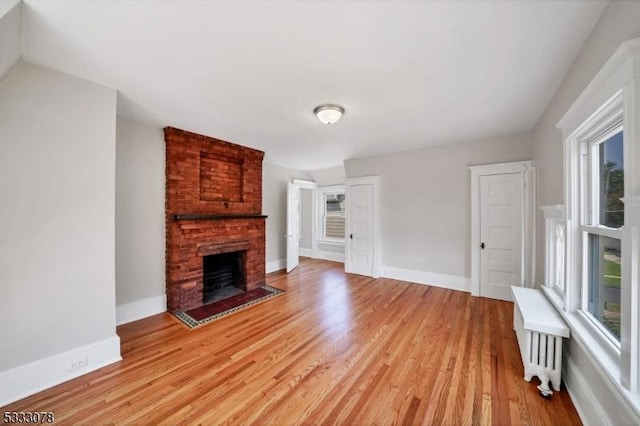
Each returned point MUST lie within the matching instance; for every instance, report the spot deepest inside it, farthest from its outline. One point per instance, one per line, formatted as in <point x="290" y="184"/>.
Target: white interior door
<point x="360" y="205"/>
<point x="293" y="216"/>
<point x="501" y="198"/>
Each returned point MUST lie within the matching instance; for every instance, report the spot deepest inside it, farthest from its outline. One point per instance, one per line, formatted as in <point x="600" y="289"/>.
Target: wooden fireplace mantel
<point x="215" y="216"/>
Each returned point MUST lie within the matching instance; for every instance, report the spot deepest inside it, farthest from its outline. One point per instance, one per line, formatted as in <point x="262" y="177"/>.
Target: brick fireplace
<point x="213" y="207"/>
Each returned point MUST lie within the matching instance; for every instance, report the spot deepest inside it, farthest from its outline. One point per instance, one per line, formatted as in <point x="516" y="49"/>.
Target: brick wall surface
<point x="221" y="179"/>
<point x="184" y="255"/>
<point x="184" y="169"/>
<point x="209" y="176"/>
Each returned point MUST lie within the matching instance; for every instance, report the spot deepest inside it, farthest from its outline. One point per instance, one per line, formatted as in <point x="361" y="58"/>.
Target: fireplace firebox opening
<point x="223" y="276"/>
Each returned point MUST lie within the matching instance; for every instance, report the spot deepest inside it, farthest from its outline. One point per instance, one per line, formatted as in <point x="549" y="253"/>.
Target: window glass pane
<point x="611" y="182"/>
<point x="604" y="281"/>
<point x="334" y="216"/>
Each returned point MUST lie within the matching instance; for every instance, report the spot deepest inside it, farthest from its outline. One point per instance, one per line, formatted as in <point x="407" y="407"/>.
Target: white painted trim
<point x="24" y="380"/>
<point x="606" y="366"/>
<point x="337" y="243"/>
<point x="587" y="404"/>
<point x="139" y="309"/>
<point x="305" y="252"/>
<point x="319" y="230"/>
<point x="554" y="249"/>
<point x="314" y="220"/>
<point x="292" y="240"/>
<point x="377" y="235"/>
<point x="616" y="72"/>
<point x="450" y="282"/>
<point x="307" y="184"/>
<point x="527" y="172"/>
<point x="615" y="87"/>
<point x="500" y="168"/>
<point x="530" y="224"/>
<point x="276" y="265"/>
<point x="630" y="355"/>
<point x="602" y="359"/>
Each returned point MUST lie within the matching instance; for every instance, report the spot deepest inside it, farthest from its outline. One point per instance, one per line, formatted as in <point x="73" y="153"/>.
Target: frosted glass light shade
<point x="329" y="114"/>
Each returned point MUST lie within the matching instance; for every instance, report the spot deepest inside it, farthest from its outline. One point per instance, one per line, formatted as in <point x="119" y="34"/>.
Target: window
<point x="332" y="214"/>
<point x="601" y="221"/>
<point x="603" y="216"/>
<point x="555" y="249"/>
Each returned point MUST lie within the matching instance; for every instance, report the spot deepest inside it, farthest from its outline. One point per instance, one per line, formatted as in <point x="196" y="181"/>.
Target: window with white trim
<point x="555" y="249"/>
<point x="601" y="250"/>
<point x="332" y="215"/>
<point x="602" y="182"/>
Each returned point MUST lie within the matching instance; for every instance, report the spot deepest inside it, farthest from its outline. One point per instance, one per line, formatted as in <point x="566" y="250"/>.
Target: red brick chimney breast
<point x="213" y="204"/>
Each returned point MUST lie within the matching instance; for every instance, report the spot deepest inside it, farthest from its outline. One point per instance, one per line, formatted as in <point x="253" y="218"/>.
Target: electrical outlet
<point x="78" y="363"/>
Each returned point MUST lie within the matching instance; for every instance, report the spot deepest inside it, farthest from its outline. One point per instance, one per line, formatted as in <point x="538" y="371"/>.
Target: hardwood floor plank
<point x="333" y="349"/>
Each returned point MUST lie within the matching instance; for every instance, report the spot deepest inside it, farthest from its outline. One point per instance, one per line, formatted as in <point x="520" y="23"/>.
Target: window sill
<point x="332" y="242"/>
<point x="604" y="356"/>
<point x="554" y="298"/>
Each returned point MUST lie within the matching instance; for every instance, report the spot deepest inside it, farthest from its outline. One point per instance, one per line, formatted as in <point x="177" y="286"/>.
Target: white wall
<point x="274" y="205"/>
<point x="425" y="203"/>
<point x="328" y="176"/>
<point x="619" y="22"/>
<point x="140" y="227"/>
<point x="10" y="34"/>
<point x="591" y="390"/>
<point x="57" y="261"/>
<point x="325" y="249"/>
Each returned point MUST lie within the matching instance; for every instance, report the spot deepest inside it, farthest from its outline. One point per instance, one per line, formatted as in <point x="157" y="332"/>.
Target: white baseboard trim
<point x="276" y="265"/>
<point x="451" y="282"/>
<point x="585" y="394"/>
<point x="24" y="380"/>
<point x="587" y="405"/>
<point x="134" y="311"/>
<point x="304" y="252"/>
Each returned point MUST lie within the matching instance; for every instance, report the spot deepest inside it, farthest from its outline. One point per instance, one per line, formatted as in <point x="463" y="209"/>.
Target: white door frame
<point x="375" y="182"/>
<point x="292" y="244"/>
<point x="308" y="184"/>
<point x="527" y="171"/>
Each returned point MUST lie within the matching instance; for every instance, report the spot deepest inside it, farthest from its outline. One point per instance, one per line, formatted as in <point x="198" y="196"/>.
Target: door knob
<point x="351" y="236"/>
<point x="482" y="246"/>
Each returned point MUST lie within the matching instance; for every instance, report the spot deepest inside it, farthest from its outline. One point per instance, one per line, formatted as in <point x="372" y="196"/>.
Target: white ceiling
<point x="409" y="73"/>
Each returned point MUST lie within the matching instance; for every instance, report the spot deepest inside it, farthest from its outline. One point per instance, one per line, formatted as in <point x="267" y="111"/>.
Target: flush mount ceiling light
<point x="328" y="113"/>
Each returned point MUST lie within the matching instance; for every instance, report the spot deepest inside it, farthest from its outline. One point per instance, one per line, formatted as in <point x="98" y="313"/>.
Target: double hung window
<point x="602" y="217"/>
<point x="332" y="214"/>
<point x="594" y="267"/>
<point x="600" y="252"/>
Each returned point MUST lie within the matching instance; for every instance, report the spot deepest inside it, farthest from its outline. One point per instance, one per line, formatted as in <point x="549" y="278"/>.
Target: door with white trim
<point x="293" y="229"/>
<point x="360" y="238"/>
<point x="501" y="222"/>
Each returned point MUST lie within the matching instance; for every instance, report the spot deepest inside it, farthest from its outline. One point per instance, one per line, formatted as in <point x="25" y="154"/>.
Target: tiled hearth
<point x="213" y="206"/>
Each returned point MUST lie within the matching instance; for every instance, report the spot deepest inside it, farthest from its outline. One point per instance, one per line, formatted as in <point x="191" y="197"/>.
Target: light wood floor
<point x="335" y="348"/>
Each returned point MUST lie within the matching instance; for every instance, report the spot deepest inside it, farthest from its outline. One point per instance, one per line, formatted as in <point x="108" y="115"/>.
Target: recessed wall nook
<point x="215" y="228"/>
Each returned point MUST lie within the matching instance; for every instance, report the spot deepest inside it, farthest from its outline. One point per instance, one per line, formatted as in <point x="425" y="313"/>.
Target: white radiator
<point x="540" y="330"/>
